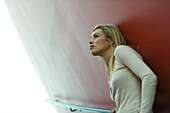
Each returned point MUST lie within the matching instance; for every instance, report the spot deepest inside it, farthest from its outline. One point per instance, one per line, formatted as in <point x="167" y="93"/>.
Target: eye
<point x="96" y="36"/>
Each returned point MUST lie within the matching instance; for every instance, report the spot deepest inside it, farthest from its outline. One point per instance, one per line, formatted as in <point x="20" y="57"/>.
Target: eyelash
<point x="96" y="36"/>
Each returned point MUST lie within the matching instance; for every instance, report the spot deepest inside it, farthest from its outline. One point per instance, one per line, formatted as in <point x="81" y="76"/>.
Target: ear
<point x="113" y="41"/>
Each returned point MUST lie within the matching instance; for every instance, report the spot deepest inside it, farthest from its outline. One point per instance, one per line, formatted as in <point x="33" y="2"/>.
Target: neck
<point x="107" y="54"/>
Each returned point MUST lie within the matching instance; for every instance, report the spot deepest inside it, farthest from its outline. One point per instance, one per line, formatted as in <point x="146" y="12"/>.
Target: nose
<point x="90" y="42"/>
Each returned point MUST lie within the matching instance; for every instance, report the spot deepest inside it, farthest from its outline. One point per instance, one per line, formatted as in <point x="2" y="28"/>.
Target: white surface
<point x="20" y="88"/>
<point x="59" y="52"/>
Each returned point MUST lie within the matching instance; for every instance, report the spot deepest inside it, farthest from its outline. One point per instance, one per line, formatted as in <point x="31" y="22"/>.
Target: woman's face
<point x="98" y="40"/>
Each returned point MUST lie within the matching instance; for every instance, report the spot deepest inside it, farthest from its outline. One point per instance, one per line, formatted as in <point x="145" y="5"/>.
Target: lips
<point x="92" y="46"/>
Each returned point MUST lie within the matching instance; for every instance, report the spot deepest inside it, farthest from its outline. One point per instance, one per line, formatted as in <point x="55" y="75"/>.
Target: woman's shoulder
<point x="126" y="50"/>
<point x="121" y="48"/>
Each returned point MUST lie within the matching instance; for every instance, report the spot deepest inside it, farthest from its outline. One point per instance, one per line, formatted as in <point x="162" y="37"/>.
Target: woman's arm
<point x="129" y="57"/>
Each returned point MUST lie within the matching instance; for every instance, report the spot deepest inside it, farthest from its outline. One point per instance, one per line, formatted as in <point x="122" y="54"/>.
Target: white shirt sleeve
<point x="134" y="62"/>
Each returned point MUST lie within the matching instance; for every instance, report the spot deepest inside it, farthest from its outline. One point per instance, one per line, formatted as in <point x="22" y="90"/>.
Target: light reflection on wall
<point x="20" y="89"/>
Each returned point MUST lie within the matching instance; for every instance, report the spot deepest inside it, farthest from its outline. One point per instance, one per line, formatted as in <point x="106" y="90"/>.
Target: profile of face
<point x="98" y="43"/>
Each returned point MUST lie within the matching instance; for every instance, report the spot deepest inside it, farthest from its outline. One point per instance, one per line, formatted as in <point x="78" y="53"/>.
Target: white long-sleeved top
<point x="133" y="84"/>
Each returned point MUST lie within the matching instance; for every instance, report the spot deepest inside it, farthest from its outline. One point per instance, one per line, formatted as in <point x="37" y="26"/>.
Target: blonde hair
<point x="110" y="31"/>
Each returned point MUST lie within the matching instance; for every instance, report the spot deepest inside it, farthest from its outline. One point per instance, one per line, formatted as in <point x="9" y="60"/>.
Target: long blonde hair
<point x="110" y="31"/>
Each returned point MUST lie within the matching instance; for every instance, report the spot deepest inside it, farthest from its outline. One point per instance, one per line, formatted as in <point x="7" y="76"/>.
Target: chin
<point x="94" y="53"/>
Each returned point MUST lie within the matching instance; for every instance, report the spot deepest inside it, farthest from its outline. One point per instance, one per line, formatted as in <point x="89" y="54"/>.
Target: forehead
<point x="97" y="31"/>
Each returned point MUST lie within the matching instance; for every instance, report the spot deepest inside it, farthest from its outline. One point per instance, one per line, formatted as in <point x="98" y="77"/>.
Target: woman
<point x="132" y="83"/>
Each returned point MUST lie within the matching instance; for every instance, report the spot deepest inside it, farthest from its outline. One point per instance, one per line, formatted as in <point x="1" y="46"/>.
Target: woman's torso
<point x="125" y="89"/>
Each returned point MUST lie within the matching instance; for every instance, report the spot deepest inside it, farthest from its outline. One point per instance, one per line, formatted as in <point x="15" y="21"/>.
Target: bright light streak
<point x="20" y="88"/>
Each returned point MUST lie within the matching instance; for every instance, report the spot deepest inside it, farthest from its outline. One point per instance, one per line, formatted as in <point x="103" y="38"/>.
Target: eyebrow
<point x="94" y="34"/>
